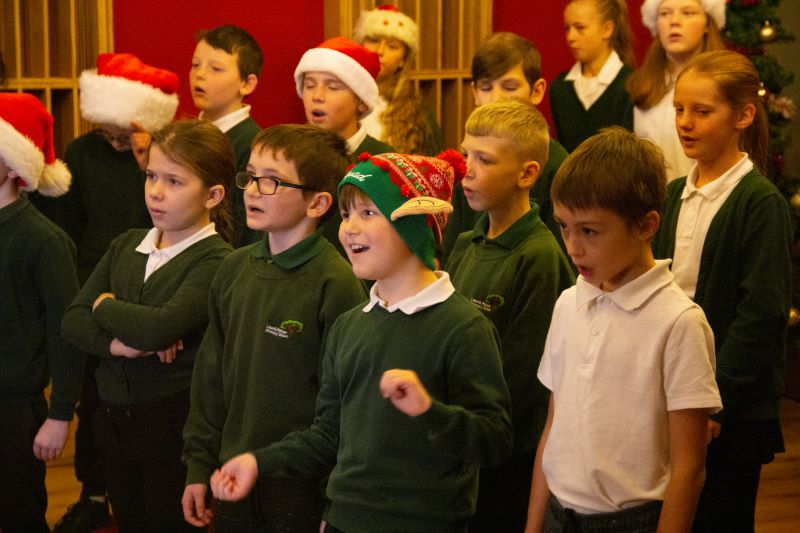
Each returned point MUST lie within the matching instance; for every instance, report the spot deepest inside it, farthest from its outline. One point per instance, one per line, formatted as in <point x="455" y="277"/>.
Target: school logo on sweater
<point x="287" y="330"/>
<point x="491" y="303"/>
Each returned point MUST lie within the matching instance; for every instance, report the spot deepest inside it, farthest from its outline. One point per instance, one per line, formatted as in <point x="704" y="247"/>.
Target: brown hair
<point x="349" y="194"/>
<point x="405" y="124"/>
<point x="648" y="84"/>
<point x="235" y="41"/>
<point x="621" y="40"/>
<point x="631" y="187"/>
<point x="320" y="157"/>
<point x="738" y="84"/>
<point x="503" y="51"/>
<point x="203" y="149"/>
<point x="518" y="121"/>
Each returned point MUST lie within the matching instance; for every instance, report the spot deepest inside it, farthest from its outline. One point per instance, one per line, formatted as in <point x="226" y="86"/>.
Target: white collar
<point x="435" y="293"/>
<point x="150" y="242"/>
<point x="606" y="75"/>
<point x="729" y="179"/>
<point x="358" y="137"/>
<point x="227" y="122"/>
<point x="631" y="295"/>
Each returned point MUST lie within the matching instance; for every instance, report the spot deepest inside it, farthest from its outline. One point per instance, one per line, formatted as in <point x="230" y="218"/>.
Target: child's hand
<point x="168" y="354"/>
<point x="140" y="144"/>
<point x="236" y="478"/>
<point x="49" y="441"/>
<point x="102" y="297"/>
<point x="405" y="391"/>
<point x="194" y="505"/>
<point x="714" y="429"/>
<point x="119" y="348"/>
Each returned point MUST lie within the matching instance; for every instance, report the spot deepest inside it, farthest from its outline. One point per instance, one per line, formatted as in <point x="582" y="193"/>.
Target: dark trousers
<point x="23" y="496"/>
<point x="503" y="496"/>
<point x="88" y="458"/>
<point x="728" y="501"/>
<point x="276" y="505"/>
<point x="141" y="447"/>
<point x="640" y="519"/>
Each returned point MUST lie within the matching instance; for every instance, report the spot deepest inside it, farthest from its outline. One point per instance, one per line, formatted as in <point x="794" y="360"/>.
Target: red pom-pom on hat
<point x="456" y="160"/>
<point x="364" y="156"/>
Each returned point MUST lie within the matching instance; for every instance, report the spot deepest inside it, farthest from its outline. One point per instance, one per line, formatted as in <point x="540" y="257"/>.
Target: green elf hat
<point x="413" y="192"/>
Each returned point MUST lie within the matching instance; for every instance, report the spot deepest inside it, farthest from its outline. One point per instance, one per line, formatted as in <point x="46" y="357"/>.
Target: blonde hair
<point x="203" y="149"/>
<point x="514" y="119"/>
<point x="648" y="84"/>
<point x="738" y="84"/>
<point x="405" y="124"/>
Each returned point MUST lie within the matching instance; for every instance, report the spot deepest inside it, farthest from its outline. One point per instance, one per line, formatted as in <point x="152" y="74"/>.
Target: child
<point x="272" y="305"/>
<point x="729" y="232"/>
<point x="628" y="358"/>
<point x="591" y="95"/>
<point x="39" y="280"/>
<point x="225" y="68"/>
<point x="105" y="201"/>
<point x="144" y="306"/>
<point x="506" y="65"/>
<point x="513" y="270"/>
<point x="409" y="462"/>
<point x="336" y="81"/>
<point x="399" y="117"/>
<point x="684" y="29"/>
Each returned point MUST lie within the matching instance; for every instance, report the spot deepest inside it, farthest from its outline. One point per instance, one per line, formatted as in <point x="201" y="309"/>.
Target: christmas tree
<point x="750" y="26"/>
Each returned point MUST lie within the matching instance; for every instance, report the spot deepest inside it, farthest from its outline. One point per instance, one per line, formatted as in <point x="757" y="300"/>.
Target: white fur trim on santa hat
<point x="713" y="8"/>
<point x="21" y="155"/>
<point x="344" y="67"/>
<point x="385" y="23"/>
<point x="119" y="101"/>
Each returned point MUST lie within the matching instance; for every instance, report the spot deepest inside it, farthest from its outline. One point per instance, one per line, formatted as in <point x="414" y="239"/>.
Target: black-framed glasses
<point x="266" y="185"/>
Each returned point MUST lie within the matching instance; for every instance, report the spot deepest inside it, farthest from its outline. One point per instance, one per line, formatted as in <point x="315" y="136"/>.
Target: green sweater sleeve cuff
<point x="61" y="411"/>
<point x="198" y="473"/>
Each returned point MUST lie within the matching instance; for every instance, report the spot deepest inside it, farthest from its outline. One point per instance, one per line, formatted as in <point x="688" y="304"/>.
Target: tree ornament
<point x="795" y="201"/>
<point x="794" y="316"/>
<point x="767" y="33"/>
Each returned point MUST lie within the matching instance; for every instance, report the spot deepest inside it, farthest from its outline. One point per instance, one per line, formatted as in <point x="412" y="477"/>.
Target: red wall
<point x="162" y="33"/>
<point x="541" y="21"/>
<point x="167" y="40"/>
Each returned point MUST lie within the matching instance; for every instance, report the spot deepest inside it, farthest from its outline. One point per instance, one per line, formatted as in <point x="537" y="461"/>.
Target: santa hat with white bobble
<point x="26" y="145"/>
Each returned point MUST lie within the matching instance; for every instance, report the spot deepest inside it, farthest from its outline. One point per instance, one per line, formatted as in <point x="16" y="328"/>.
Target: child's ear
<point x="648" y="225"/>
<point x="608" y="29"/>
<point x="474" y="93"/>
<point x="248" y="85"/>
<point x="530" y="173"/>
<point x="746" y="116"/>
<point x="320" y="203"/>
<point x="362" y="108"/>
<point x="215" y="195"/>
<point x="538" y="90"/>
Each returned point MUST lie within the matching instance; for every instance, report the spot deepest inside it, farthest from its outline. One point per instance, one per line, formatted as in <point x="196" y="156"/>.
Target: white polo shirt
<point x="158" y="257"/>
<point x="616" y="363"/>
<point x="590" y="89"/>
<point x="698" y="209"/>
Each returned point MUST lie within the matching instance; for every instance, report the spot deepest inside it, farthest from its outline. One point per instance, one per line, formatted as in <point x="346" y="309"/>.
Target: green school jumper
<point x="463" y="218"/>
<point x="241" y="137"/>
<point x="148" y="315"/>
<point x="39" y="282"/>
<point x="574" y="123"/>
<point x="106" y="198"/>
<point x="393" y="472"/>
<point x="515" y="280"/>
<point x="257" y="374"/>
<point x="744" y="288"/>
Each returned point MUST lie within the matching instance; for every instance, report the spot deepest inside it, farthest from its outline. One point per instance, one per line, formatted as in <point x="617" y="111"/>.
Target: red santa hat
<point x="356" y="66"/>
<point x="387" y="21"/>
<point x="26" y="145"/>
<point x="123" y="90"/>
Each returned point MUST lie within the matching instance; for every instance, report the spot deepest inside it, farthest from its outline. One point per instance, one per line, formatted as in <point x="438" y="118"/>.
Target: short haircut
<point x="319" y="156"/>
<point x="349" y="194"/>
<point x="235" y="41"/>
<point x="518" y="121"/>
<point x="503" y="51"/>
<point x="614" y="170"/>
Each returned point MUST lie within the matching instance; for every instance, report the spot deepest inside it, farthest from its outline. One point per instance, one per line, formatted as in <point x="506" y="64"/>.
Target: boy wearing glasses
<point x="271" y="305"/>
